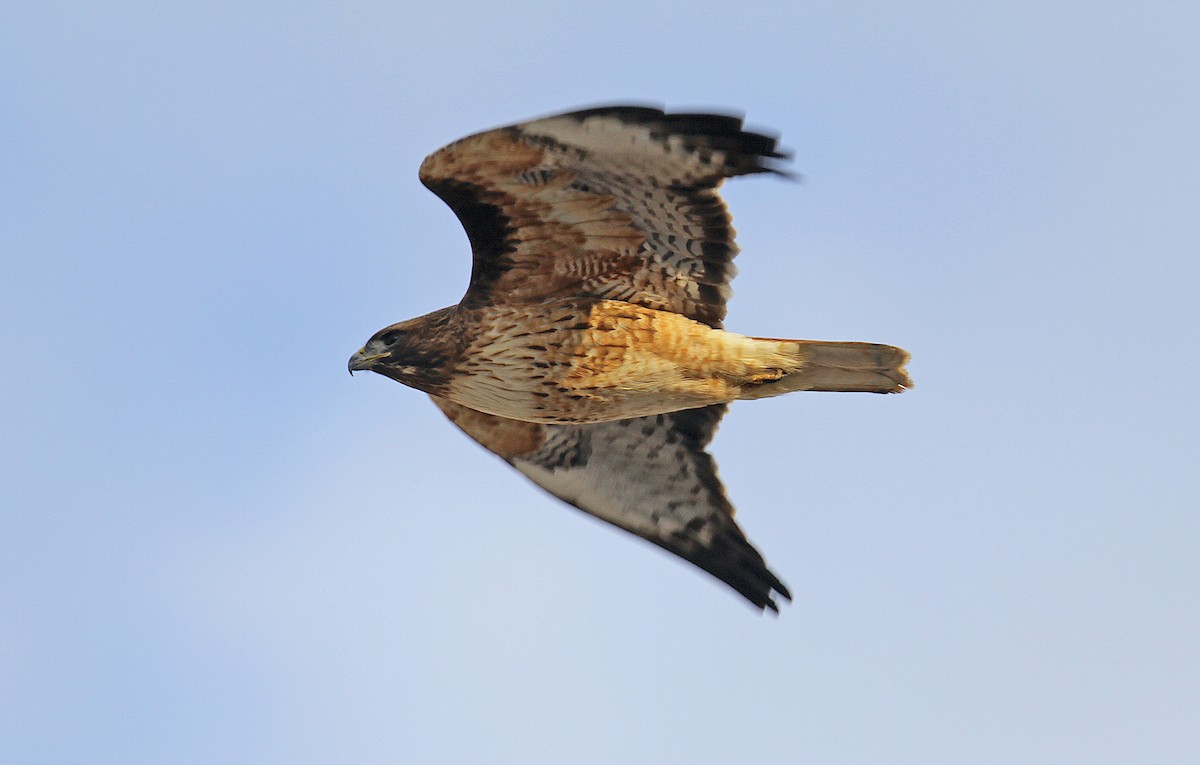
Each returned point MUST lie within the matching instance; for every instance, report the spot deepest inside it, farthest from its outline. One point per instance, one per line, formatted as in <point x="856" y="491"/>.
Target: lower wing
<point x="648" y="475"/>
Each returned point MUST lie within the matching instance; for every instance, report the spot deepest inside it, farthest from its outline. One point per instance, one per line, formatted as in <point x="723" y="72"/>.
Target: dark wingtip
<point x="758" y="584"/>
<point x="787" y="175"/>
<point x="749" y="576"/>
<point x="776" y="588"/>
<point x="724" y="130"/>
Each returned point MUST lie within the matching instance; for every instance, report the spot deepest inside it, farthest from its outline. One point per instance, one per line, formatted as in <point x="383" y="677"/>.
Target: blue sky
<point x="218" y="547"/>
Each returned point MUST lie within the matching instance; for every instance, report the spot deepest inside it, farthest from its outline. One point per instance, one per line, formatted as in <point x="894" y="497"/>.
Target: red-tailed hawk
<point x="588" y="351"/>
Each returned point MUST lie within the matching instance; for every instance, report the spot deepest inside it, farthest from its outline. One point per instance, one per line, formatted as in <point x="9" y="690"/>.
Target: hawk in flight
<point x="588" y="351"/>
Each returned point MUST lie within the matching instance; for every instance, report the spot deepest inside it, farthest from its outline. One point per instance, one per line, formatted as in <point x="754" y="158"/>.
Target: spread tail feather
<point x="831" y="366"/>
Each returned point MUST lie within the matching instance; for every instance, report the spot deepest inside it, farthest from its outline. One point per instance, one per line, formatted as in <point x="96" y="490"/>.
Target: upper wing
<point x="647" y="475"/>
<point x="617" y="202"/>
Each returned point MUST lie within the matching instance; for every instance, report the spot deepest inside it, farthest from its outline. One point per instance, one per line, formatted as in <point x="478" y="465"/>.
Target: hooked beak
<point x="360" y="361"/>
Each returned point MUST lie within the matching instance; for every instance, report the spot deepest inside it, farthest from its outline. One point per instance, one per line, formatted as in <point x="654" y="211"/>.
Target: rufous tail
<point x="826" y="366"/>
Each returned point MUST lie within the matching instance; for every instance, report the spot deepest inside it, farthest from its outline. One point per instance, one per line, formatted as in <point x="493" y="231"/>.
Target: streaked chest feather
<point x="588" y="361"/>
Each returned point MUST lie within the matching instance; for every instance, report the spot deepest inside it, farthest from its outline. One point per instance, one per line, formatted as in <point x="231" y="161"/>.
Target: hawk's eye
<point x="389" y="338"/>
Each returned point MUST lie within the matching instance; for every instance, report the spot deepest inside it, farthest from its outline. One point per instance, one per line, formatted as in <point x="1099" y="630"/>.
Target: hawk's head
<point x="413" y="352"/>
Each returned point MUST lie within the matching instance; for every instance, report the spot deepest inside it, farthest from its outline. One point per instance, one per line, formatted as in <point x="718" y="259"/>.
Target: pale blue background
<point x="216" y="547"/>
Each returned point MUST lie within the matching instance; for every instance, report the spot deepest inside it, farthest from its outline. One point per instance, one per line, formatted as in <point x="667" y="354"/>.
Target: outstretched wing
<point x="647" y="475"/>
<point x="616" y="202"/>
